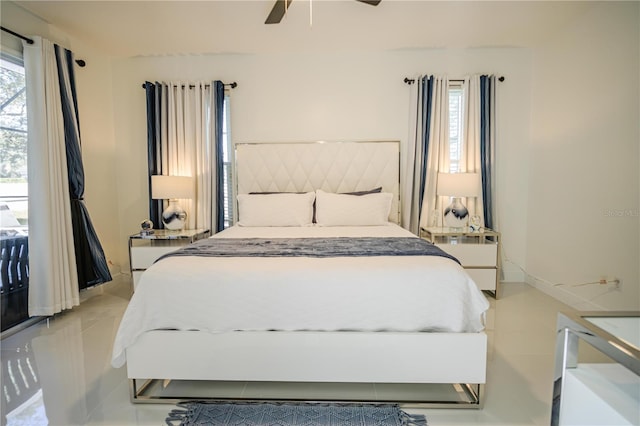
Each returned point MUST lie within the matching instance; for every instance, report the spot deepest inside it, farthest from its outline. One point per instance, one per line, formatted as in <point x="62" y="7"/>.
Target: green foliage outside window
<point x="13" y="123"/>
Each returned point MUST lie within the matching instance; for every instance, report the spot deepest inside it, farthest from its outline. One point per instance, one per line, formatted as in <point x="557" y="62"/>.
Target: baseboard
<point x="561" y="294"/>
<point x="19" y="327"/>
<point x="511" y="272"/>
<point x="114" y="269"/>
<point x="98" y="289"/>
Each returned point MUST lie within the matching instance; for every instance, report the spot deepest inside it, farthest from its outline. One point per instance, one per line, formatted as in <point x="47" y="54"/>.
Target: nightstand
<point x="144" y="249"/>
<point x="477" y="251"/>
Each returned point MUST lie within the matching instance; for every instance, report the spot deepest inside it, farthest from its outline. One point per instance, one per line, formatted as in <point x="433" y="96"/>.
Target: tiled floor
<point x="59" y="371"/>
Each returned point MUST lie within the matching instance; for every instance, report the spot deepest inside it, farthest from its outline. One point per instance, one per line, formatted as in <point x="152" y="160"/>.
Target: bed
<point x="221" y="311"/>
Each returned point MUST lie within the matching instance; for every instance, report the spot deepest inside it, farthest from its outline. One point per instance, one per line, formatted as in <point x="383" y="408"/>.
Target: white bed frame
<point x="334" y="357"/>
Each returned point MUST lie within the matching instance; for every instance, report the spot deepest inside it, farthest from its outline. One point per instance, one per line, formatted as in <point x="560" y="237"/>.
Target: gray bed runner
<point x="310" y="247"/>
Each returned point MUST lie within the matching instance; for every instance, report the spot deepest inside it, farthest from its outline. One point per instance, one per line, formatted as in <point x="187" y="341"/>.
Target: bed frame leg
<point x="480" y="396"/>
<point x="474" y="393"/>
<point x="135" y="392"/>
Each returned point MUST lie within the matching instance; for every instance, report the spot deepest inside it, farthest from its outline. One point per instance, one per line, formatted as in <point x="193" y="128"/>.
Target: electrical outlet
<point x="617" y="283"/>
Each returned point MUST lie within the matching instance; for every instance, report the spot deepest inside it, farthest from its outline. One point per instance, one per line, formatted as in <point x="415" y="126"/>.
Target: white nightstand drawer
<point x="473" y="254"/>
<point x="146" y="248"/>
<point x="143" y="257"/>
<point x="477" y="251"/>
<point x="485" y="279"/>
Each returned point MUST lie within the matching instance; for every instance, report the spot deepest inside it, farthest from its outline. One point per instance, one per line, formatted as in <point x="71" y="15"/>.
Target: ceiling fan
<point x="281" y="6"/>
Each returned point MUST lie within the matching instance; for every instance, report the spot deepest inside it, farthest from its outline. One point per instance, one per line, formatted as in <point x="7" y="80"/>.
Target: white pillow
<point x="285" y="209"/>
<point x="352" y="210"/>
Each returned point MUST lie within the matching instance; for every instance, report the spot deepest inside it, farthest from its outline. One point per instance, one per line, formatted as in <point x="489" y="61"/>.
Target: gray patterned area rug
<point x="291" y="414"/>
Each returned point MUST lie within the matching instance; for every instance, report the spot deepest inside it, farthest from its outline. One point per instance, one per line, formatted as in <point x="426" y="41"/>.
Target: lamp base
<point x="174" y="217"/>
<point x="456" y="214"/>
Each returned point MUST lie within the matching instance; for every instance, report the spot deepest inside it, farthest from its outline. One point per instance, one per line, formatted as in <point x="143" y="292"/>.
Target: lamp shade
<point x="171" y="187"/>
<point x="458" y="184"/>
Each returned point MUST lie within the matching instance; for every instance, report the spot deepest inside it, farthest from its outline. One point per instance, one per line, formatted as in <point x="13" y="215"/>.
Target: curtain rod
<point x="231" y="85"/>
<point x="81" y="63"/>
<point x="413" y="80"/>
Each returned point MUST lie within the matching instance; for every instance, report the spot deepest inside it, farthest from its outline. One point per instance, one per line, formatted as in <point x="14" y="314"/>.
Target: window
<point x="13" y="146"/>
<point x="456" y="122"/>
<point x="14" y="259"/>
<point x="227" y="158"/>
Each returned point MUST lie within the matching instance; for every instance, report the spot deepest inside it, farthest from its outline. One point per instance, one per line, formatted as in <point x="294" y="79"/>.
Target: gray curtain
<point x="159" y="157"/>
<point x="415" y="169"/>
<point x="426" y="97"/>
<point x="487" y="146"/>
<point x="417" y="161"/>
<point x="91" y="263"/>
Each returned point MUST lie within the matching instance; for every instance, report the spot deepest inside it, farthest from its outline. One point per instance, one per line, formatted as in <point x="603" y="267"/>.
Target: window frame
<point x="456" y="125"/>
<point x="228" y="161"/>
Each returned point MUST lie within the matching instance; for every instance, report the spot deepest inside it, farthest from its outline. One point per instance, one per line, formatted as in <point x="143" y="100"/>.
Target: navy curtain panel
<point x="426" y="97"/>
<point x="91" y="263"/>
<point x="218" y="99"/>
<point x="154" y="147"/>
<point x="487" y="142"/>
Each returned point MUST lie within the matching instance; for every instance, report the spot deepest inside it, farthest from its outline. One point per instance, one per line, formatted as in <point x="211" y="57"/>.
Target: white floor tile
<point x="59" y="371"/>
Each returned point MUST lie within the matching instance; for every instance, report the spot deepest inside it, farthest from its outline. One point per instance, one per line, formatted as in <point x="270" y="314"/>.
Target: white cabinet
<point x="477" y="251"/>
<point x="145" y="249"/>
<point x="604" y="393"/>
<point x="600" y="394"/>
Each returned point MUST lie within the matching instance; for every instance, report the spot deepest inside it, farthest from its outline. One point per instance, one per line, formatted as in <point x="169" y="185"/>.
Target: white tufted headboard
<point x="330" y="166"/>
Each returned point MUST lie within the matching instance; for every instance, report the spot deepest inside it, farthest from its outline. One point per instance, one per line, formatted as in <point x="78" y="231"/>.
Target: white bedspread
<point x="387" y="293"/>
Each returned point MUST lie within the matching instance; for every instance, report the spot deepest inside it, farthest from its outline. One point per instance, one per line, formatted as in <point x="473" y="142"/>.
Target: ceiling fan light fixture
<point x="278" y="11"/>
<point x="280" y="8"/>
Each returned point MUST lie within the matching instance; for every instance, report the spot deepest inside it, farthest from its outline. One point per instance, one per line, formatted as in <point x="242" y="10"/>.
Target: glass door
<point x="14" y="260"/>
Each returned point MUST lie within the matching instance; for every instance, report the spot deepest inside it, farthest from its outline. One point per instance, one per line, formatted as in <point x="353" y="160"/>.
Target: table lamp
<point x="172" y="188"/>
<point x="457" y="185"/>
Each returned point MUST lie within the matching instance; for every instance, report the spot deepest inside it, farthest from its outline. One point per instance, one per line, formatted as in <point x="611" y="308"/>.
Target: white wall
<point x="584" y="212"/>
<point x="95" y="110"/>
<point x="339" y="96"/>
<point x="568" y="137"/>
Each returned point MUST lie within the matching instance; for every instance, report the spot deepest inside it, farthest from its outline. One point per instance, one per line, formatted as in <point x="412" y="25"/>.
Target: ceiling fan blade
<point x="371" y="2"/>
<point x="278" y="11"/>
